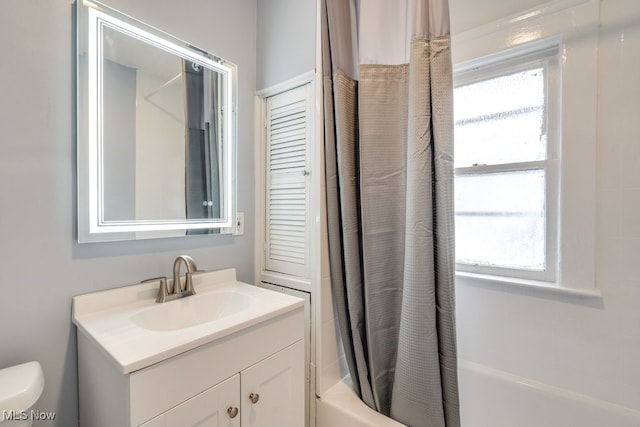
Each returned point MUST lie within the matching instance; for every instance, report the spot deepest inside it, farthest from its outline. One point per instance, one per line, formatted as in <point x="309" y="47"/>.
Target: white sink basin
<point x="193" y="310"/>
<point x="135" y="331"/>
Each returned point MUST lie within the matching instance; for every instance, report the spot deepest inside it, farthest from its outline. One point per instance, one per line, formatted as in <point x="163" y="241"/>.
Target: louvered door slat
<point x="287" y="200"/>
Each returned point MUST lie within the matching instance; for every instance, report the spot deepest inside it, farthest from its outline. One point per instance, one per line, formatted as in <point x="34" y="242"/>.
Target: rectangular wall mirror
<point x="156" y="132"/>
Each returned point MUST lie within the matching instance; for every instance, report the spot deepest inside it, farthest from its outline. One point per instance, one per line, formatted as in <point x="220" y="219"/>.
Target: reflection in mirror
<point x="156" y="129"/>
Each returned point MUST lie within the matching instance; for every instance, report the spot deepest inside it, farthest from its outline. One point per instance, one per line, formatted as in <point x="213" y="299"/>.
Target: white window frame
<point x="574" y="24"/>
<point x="533" y="55"/>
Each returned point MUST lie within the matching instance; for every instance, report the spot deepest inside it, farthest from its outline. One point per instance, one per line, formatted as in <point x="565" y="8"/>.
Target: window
<point x="561" y="40"/>
<point x="506" y="164"/>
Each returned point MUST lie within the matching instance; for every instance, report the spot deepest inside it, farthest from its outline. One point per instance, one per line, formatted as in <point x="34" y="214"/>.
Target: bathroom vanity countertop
<point x="109" y="317"/>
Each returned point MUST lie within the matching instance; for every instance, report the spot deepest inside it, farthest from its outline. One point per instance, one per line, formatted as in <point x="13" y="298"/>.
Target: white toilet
<point x="20" y="388"/>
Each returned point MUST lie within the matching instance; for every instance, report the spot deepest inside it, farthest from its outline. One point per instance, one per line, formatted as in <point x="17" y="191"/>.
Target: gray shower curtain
<point x="389" y="170"/>
<point x="202" y="187"/>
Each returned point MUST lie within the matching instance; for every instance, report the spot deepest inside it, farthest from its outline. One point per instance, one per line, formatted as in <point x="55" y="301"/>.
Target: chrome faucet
<point x="188" y="282"/>
<point x="177" y="290"/>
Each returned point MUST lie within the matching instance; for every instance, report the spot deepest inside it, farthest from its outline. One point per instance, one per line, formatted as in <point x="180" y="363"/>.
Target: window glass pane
<point x="500" y="219"/>
<point x="501" y="120"/>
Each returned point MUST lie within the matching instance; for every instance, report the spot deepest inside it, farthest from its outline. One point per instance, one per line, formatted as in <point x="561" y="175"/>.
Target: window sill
<point x="523" y="284"/>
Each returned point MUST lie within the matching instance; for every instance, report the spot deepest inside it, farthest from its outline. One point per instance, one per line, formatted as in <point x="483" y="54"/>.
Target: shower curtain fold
<point x="389" y="160"/>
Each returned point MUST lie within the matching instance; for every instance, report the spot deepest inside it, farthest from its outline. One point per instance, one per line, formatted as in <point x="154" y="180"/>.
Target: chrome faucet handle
<point x="162" y="291"/>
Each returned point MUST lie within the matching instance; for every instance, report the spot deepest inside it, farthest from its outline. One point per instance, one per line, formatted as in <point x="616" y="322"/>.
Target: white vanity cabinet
<point x="244" y="368"/>
<point x="198" y="387"/>
<point x="267" y="394"/>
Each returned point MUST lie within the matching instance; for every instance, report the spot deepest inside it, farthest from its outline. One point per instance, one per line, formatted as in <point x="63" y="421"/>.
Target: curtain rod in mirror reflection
<point x="156" y="132"/>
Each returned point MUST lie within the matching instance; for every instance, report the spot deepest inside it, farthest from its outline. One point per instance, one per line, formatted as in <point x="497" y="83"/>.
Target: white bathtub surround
<point x="492" y="397"/>
<point x="568" y="360"/>
<point x="389" y="165"/>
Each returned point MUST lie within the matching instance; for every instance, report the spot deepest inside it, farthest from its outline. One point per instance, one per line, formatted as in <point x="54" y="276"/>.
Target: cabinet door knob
<point x="254" y="397"/>
<point x="232" y="412"/>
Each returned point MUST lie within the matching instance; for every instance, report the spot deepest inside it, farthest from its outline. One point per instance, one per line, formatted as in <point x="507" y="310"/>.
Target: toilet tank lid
<point x="20" y="387"/>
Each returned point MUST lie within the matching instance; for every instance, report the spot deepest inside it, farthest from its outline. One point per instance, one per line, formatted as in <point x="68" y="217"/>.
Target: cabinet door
<point x="207" y="409"/>
<point x="287" y="223"/>
<point x="273" y="390"/>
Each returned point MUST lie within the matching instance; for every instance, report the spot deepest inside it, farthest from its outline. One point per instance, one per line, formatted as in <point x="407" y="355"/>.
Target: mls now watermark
<point x="33" y="415"/>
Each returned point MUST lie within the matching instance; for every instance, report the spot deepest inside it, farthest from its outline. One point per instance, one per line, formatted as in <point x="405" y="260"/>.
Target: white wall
<point x="159" y="181"/>
<point x="586" y="346"/>
<point x="42" y="265"/>
<point x="286" y="40"/>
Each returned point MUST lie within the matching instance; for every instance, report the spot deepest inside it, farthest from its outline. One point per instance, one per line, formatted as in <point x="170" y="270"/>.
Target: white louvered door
<point x="287" y="121"/>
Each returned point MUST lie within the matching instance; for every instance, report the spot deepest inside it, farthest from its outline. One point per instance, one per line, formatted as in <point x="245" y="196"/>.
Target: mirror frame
<point x="92" y="17"/>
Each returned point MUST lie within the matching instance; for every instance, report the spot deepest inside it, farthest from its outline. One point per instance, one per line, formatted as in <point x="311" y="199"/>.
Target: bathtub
<point x="488" y="398"/>
<point x="340" y="406"/>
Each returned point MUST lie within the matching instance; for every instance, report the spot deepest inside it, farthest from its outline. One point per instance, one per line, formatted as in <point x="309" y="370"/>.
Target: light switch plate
<point x="239" y="228"/>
